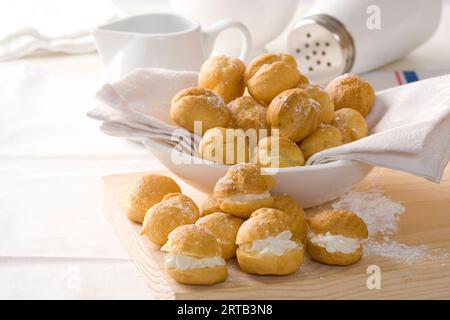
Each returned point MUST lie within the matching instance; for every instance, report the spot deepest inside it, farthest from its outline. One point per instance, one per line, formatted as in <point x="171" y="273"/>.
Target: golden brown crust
<point x="202" y="276"/>
<point x="225" y="145"/>
<point x="269" y="74"/>
<point x="294" y="114"/>
<point x="288" y="263"/>
<point x="148" y="191"/>
<point x="303" y="80"/>
<point x="289" y="206"/>
<point x="314" y="91"/>
<point x="244" y="209"/>
<point x="247" y="113"/>
<point x="224" y="76"/>
<point x="351" y="91"/>
<point x="198" y="104"/>
<point x="192" y="240"/>
<point x="320" y="254"/>
<point x="263" y="223"/>
<point x="210" y="205"/>
<point x="288" y="153"/>
<point x="174" y="210"/>
<point x="351" y="124"/>
<point x="339" y="222"/>
<point x="224" y="227"/>
<point x="324" y="137"/>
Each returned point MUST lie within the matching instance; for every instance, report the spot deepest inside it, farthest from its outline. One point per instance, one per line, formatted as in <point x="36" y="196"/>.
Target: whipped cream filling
<point x="248" y="197"/>
<point x="183" y="262"/>
<point x="277" y="245"/>
<point x="335" y="243"/>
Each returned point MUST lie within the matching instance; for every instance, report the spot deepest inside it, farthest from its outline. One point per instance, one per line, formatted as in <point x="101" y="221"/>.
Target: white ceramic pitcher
<point x="160" y="40"/>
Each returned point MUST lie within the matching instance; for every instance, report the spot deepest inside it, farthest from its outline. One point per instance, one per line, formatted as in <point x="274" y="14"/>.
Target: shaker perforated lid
<point x="324" y="49"/>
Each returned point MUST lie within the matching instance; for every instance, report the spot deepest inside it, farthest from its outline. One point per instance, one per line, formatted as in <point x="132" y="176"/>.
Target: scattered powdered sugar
<point x="382" y="215"/>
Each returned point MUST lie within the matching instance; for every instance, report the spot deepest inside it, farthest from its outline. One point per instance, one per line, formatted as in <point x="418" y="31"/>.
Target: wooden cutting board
<point x="426" y="222"/>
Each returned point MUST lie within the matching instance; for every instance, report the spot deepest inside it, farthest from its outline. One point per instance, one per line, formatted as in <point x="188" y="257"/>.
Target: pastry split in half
<point x="173" y="211"/>
<point x="336" y="237"/>
<point x="266" y="244"/>
<point x="243" y="190"/>
<point x="225" y="228"/>
<point x="289" y="206"/>
<point x="194" y="256"/>
<point x="148" y="191"/>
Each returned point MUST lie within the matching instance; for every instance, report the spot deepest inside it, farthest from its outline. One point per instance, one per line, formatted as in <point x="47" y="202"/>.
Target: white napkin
<point x="409" y="124"/>
<point x="409" y="131"/>
<point x="34" y="26"/>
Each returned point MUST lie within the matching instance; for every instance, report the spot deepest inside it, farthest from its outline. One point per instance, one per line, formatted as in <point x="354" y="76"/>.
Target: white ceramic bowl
<point x="309" y="185"/>
<point x="265" y="19"/>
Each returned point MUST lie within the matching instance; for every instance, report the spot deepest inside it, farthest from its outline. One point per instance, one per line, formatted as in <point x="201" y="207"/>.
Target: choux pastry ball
<point x="198" y="104"/>
<point x="225" y="145"/>
<point x="324" y="137"/>
<point x="210" y="205"/>
<point x="294" y="114"/>
<point x="266" y="245"/>
<point x="278" y="152"/>
<point x="270" y="74"/>
<point x="351" y="91"/>
<point x="289" y="206"/>
<point x="225" y="228"/>
<point x="193" y="256"/>
<point x="148" y="191"/>
<point x="314" y="91"/>
<point x="224" y="76"/>
<point x="247" y="113"/>
<point x="174" y="210"/>
<point x="351" y="124"/>
<point x="336" y="237"/>
<point x="244" y="189"/>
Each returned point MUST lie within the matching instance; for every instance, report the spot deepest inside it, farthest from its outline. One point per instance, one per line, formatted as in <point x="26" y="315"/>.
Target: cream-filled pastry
<point x="324" y="137"/>
<point x="278" y="152"/>
<point x="193" y="256"/>
<point x="270" y="74"/>
<point x="351" y="91"/>
<point x="267" y="245"/>
<point x="336" y="237"/>
<point x="244" y="189"/>
<point x="294" y="114"/>
<point x="174" y="210"/>
<point x="289" y="206"/>
<point x="351" y="124"/>
<point x="210" y="205"/>
<point x="225" y="228"/>
<point x="224" y="76"/>
<point x="148" y="191"/>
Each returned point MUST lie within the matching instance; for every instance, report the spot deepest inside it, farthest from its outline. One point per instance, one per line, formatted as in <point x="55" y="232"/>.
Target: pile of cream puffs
<point x="270" y="93"/>
<point x="268" y="234"/>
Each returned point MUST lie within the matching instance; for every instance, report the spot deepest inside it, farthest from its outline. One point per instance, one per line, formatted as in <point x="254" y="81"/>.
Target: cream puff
<point x="148" y="191"/>
<point x="314" y="91"/>
<point x="249" y="114"/>
<point x="198" y="104"/>
<point x="193" y="256"/>
<point x="244" y="189"/>
<point x="224" y="76"/>
<point x="324" y="137"/>
<point x="174" y="210"/>
<point x="289" y="206"/>
<point x="351" y="124"/>
<point x="294" y="114"/>
<point x="225" y="146"/>
<point x="336" y="237"/>
<point x="210" y="205"/>
<point x="225" y="228"/>
<point x="266" y="245"/>
<point x="278" y="152"/>
<point x="351" y="91"/>
<point x="270" y="74"/>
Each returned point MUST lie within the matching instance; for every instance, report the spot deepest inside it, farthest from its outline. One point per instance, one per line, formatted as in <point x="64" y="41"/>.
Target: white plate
<point x="309" y="185"/>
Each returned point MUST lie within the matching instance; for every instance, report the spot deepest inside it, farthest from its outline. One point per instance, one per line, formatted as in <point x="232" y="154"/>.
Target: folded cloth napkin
<point x="33" y="26"/>
<point x="409" y="131"/>
<point x="409" y="124"/>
